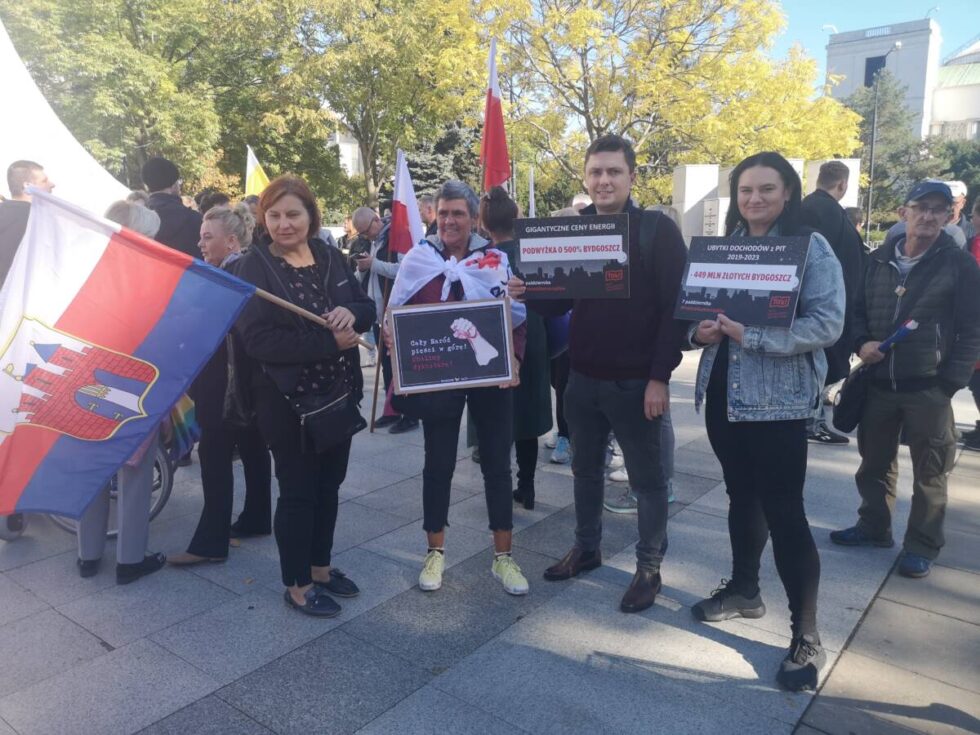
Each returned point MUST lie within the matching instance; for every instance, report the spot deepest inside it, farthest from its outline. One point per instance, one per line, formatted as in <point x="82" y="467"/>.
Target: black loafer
<point x="339" y="585"/>
<point x="126" y="573"/>
<point x="387" y="421"/>
<point x="317" y="604"/>
<point x="88" y="567"/>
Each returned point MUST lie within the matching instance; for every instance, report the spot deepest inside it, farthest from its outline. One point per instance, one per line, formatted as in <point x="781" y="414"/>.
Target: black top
<point x="180" y="226"/>
<point x="306" y="285"/>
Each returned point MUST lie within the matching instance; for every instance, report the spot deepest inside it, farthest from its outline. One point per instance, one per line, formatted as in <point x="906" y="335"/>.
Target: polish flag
<point x="101" y="331"/>
<point x="406" y="222"/>
<point x="494" y="157"/>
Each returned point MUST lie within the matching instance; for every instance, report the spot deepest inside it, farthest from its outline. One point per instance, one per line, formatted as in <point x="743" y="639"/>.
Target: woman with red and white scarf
<point x="458" y="265"/>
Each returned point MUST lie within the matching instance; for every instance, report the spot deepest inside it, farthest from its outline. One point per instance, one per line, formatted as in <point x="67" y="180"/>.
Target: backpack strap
<point x="649" y="221"/>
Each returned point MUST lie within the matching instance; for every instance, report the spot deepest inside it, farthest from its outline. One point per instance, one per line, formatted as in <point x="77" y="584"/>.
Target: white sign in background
<point x="587" y="247"/>
<point x="751" y="277"/>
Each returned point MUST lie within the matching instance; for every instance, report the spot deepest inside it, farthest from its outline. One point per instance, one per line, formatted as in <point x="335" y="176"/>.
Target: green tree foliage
<point x="453" y="155"/>
<point x="901" y="157"/>
<point x="963" y="158"/>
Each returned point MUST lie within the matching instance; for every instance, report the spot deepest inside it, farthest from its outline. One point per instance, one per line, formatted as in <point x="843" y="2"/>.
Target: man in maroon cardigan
<point x="622" y="354"/>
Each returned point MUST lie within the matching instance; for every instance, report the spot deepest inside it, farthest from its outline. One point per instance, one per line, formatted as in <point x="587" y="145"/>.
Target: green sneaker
<point x="625" y="503"/>
<point x="430" y="579"/>
<point x="505" y="570"/>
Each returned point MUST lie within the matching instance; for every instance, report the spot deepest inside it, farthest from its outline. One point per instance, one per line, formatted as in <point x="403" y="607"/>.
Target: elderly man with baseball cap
<point x="180" y="226"/>
<point x="920" y="275"/>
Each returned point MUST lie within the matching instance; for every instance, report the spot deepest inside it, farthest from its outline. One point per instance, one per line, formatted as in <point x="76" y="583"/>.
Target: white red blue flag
<point x="493" y="150"/>
<point x="101" y="331"/>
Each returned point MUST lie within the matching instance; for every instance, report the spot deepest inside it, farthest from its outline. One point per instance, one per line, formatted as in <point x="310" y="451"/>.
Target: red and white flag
<point x="494" y="157"/>
<point x="406" y="222"/>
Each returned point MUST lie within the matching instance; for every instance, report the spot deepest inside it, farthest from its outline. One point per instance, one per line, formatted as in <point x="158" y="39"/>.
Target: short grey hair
<point x="458" y="190"/>
<point x="134" y="216"/>
<point x="237" y="221"/>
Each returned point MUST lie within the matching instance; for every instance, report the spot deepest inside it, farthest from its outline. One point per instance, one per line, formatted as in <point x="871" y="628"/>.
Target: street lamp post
<point x="874" y="137"/>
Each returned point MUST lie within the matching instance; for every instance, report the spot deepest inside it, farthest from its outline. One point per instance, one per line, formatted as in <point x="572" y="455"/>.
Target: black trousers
<point x="527" y="461"/>
<point x="383" y="355"/>
<point x="215" y="451"/>
<point x="492" y="410"/>
<point x="560" y="367"/>
<point x="306" y="514"/>
<point x="764" y="464"/>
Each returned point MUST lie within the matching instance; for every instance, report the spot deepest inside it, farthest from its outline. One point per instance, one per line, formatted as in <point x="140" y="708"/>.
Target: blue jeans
<point x="592" y="408"/>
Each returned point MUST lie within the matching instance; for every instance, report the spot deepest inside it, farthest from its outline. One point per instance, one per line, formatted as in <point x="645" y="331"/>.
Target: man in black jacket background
<point x="822" y="211"/>
<point x="180" y="226"/>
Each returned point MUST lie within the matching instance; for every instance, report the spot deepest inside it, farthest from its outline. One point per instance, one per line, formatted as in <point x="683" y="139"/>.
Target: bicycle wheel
<point x="163" y="485"/>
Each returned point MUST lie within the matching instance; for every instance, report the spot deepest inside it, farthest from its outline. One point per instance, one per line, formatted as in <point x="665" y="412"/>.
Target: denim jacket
<point x="777" y="373"/>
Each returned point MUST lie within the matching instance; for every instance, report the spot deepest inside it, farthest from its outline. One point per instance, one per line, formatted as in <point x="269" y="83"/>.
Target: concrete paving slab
<point x="243" y="572"/>
<point x="16" y="602"/>
<point x="435" y="630"/>
<point x="208" y="716"/>
<point x="693" y="462"/>
<point x="407" y="458"/>
<point x="402" y="499"/>
<point x="430" y="710"/>
<point x="732" y="662"/>
<point x="243" y="634"/>
<point x="555" y="535"/>
<point x="963" y="514"/>
<point x="922" y="642"/>
<point x="472" y="513"/>
<point x="407" y="544"/>
<point x="370" y="477"/>
<point x="56" y="581"/>
<point x="122" y="614"/>
<point x="348" y="683"/>
<point x="6" y="729"/>
<point x="545" y="691"/>
<point x="41" y="539"/>
<point x="40" y="646"/>
<point x="855" y="702"/>
<point x="121" y="692"/>
<point x="948" y="592"/>
<point x="962" y="551"/>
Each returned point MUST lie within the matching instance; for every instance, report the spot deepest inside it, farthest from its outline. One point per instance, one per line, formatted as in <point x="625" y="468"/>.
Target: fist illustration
<point x="484" y="351"/>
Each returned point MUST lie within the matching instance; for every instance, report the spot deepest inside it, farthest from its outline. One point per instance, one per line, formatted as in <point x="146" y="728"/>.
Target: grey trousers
<point x="135" y="486"/>
<point x="592" y="408"/>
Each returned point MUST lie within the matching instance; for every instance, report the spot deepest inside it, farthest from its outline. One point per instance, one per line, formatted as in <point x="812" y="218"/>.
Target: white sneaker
<point x="552" y="440"/>
<point x="617" y="462"/>
<point x="506" y="571"/>
<point x="619" y="475"/>
<point x="430" y="578"/>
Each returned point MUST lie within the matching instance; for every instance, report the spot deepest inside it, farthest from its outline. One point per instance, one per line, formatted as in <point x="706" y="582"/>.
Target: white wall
<point x="915" y="64"/>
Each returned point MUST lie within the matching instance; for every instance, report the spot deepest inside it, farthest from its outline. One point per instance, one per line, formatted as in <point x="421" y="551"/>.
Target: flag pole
<point x="289" y="306"/>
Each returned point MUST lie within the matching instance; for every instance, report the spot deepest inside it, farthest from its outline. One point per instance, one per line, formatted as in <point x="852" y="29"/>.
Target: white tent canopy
<point x="31" y="130"/>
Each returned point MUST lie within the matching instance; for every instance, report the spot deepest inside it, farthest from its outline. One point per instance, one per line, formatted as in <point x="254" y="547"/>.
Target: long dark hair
<point x="789" y="219"/>
<point x="498" y="212"/>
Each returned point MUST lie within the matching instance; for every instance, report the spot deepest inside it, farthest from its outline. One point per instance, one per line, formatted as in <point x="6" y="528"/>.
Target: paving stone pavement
<point x="213" y="649"/>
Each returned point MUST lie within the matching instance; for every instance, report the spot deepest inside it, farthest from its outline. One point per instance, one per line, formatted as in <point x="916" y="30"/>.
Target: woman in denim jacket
<point x="760" y="385"/>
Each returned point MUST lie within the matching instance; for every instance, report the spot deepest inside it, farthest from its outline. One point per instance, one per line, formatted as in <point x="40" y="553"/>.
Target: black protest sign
<point x="753" y="280"/>
<point x="464" y="344"/>
<point x="583" y="257"/>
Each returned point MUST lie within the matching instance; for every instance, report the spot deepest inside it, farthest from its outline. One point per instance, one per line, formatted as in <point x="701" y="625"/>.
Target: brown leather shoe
<point x="573" y="563"/>
<point x="642" y="591"/>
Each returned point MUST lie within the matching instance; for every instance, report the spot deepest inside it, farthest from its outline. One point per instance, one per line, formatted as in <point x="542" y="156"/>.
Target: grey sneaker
<point x="625" y="503"/>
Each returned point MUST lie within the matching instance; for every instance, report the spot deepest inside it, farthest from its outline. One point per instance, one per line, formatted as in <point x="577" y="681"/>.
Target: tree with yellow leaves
<point x="687" y="80"/>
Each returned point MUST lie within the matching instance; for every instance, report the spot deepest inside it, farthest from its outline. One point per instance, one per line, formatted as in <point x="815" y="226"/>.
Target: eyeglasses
<point x="923" y="210"/>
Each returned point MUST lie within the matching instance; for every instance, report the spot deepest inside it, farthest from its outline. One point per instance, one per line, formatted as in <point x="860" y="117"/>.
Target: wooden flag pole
<point x="289" y="306"/>
<point x="380" y="347"/>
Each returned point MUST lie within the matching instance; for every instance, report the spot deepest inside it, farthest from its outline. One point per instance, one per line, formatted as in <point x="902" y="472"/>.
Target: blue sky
<point x="958" y="19"/>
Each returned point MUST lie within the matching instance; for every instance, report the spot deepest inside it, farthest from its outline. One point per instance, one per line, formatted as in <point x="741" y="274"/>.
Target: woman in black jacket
<point x="301" y="364"/>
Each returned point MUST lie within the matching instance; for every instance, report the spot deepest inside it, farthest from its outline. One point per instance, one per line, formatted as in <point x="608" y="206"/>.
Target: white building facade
<point x="944" y="97"/>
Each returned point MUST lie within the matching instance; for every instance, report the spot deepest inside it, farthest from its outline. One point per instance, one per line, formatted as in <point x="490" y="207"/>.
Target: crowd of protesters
<point x="288" y="386"/>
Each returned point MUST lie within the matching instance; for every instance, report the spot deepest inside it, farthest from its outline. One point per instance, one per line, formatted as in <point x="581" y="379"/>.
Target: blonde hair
<point x="237" y="221"/>
<point x="134" y="216"/>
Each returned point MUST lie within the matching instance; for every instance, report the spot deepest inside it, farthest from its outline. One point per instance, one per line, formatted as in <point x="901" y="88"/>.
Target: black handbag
<point x="327" y="420"/>
<point x="849" y="402"/>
